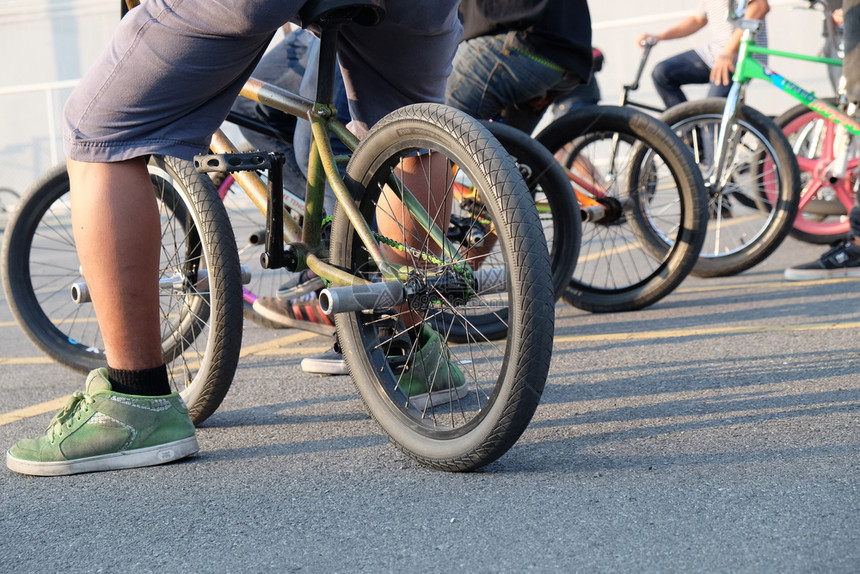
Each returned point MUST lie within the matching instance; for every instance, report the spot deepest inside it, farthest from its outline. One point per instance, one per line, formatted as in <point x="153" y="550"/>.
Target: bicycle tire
<point x="549" y="187"/>
<point x="759" y="213"/>
<point x="822" y="216"/>
<point x="504" y="379"/>
<point x="644" y="244"/>
<point x="200" y="340"/>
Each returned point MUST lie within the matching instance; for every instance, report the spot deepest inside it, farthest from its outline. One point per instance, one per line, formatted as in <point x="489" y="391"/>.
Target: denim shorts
<point x="173" y="69"/>
<point x="490" y="75"/>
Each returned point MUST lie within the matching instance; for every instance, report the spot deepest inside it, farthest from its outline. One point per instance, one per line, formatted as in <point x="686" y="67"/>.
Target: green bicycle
<point x="750" y="169"/>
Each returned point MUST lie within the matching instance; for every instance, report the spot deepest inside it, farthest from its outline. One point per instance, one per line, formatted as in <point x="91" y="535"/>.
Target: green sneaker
<point x="429" y="378"/>
<point x="104" y="430"/>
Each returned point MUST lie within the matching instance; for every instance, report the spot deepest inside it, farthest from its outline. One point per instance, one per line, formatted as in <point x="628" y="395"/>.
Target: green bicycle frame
<point x="748" y="68"/>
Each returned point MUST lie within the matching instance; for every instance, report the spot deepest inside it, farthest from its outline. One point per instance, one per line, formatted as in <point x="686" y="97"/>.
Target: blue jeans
<point x="583" y="95"/>
<point x="488" y="78"/>
<point x="685" y="68"/>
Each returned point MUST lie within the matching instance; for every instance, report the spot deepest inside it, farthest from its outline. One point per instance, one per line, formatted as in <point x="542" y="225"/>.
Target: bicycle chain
<point x="464" y="270"/>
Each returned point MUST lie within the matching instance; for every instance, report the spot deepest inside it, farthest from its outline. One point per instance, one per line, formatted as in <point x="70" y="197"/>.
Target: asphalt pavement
<point x="717" y="431"/>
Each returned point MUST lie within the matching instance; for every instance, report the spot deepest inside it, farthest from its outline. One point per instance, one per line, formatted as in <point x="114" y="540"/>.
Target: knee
<point x="660" y="74"/>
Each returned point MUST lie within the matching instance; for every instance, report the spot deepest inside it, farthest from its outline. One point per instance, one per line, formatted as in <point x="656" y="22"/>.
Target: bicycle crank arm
<point x="81" y="293"/>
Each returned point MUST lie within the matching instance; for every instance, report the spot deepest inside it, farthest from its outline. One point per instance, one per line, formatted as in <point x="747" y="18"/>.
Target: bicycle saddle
<point x="319" y="13"/>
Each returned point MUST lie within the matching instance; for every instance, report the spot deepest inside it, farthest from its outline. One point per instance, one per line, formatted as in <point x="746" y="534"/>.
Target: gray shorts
<point x="174" y="68"/>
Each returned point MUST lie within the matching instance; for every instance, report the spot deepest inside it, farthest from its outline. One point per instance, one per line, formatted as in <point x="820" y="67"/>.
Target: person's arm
<point x="687" y="26"/>
<point x="724" y="67"/>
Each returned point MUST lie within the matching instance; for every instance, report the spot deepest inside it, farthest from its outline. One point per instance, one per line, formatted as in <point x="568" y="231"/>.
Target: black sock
<point x="146" y="382"/>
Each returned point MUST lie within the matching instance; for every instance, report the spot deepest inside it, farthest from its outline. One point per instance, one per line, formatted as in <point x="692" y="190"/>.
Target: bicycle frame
<point x="747" y="69"/>
<point x="322" y="168"/>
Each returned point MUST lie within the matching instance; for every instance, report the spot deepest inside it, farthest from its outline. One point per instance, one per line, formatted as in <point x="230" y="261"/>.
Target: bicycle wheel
<point x="753" y="210"/>
<point x="824" y="202"/>
<point x="645" y="205"/>
<point x="474" y="421"/>
<point x="199" y="277"/>
<point x="556" y="203"/>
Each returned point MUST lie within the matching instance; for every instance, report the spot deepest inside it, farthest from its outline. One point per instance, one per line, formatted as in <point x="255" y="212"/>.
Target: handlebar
<point x="646" y="44"/>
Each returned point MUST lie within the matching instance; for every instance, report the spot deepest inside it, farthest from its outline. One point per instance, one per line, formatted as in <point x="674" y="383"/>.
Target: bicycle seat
<point x="320" y="13"/>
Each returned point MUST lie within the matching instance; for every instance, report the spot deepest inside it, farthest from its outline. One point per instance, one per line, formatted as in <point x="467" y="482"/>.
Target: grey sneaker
<point x="103" y="430"/>
<point x="842" y="260"/>
<point x="332" y="362"/>
<point x="329" y="363"/>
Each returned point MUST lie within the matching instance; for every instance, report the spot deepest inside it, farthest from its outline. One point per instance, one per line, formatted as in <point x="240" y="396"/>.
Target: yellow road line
<point x="268" y="348"/>
<point x="601" y="254"/>
<point x="33" y="411"/>
<point x="764" y="284"/>
<point x="675" y="333"/>
<point x="294" y="351"/>
<point x="277" y="347"/>
<point x="25" y="360"/>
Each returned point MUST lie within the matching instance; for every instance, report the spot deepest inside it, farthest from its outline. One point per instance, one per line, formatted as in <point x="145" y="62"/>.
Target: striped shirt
<point x="716" y="12"/>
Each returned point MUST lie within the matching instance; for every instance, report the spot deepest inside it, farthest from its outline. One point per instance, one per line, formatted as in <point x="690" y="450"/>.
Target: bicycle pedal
<point x="230" y="162"/>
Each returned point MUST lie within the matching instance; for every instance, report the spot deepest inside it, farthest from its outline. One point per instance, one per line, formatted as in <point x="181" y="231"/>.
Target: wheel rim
<point x="743" y="210"/>
<point x="482" y="361"/>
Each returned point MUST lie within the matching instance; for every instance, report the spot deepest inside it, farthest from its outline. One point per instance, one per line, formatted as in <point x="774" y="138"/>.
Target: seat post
<point x="327" y="63"/>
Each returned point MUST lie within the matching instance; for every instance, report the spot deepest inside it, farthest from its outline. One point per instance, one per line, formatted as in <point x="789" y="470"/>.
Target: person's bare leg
<point x="117" y="233"/>
<point x="429" y="178"/>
